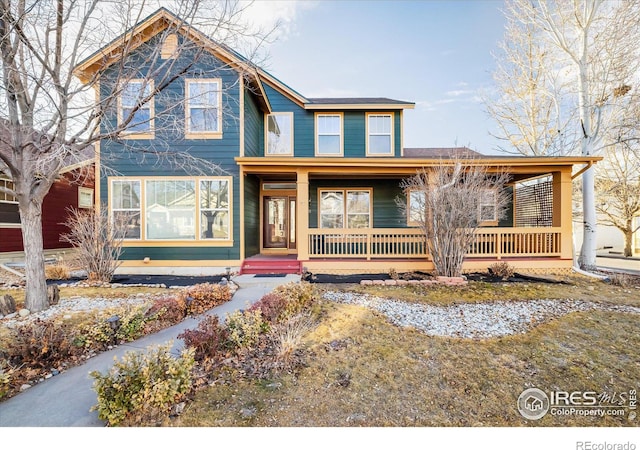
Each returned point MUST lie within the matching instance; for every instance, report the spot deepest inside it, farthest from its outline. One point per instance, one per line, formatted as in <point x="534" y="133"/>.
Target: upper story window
<point x="280" y="134"/>
<point x="203" y="109"/>
<point x="85" y="197"/>
<point x="379" y="134"/>
<point x="5" y="197"/>
<point x="131" y="106"/>
<point x="329" y="135"/>
<point x="345" y="208"/>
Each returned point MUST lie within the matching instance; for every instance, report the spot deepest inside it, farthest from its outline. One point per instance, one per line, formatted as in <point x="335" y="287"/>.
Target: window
<point x="487" y="206"/>
<point x="280" y="134"/>
<point x="416" y="208"/>
<point x="133" y="93"/>
<point x="214" y="209"/>
<point x="203" y="108"/>
<point x="85" y="197"/>
<point x="170" y="209"/>
<point x="329" y="134"/>
<point x="177" y="209"/>
<point x="125" y="206"/>
<point x="345" y="208"/>
<point x="379" y="134"/>
<point x="5" y="197"/>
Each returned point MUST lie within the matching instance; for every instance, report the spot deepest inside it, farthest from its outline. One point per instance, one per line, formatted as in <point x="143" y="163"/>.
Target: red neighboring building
<point x="74" y="189"/>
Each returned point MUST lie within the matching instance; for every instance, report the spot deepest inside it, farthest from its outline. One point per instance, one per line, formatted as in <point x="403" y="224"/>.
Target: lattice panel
<point x="534" y="204"/>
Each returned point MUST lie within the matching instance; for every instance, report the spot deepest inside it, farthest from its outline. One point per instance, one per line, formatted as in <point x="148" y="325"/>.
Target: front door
<point x="279" y="222"/>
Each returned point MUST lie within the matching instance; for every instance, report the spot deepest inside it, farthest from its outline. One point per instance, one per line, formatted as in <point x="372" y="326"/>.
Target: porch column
<point x="563" y="210"/>
<point x="302" y="219"/>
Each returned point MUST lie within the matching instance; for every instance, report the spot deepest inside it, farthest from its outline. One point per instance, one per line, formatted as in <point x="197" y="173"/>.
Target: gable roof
<point x="441" y="152"/>
<point x="162" y="19"/>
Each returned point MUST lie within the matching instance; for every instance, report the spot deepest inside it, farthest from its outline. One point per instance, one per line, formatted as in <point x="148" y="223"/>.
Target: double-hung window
<point x="6" y="197"/>
<point x="134" y="110"/>
<point x="214" y="209"/>
<point x="280" y="134"/>
<point x="125" y="206"/>
<point x="487" y="211"/>
<point x="329" y="135"/>
<point x="416" y="210"/>
<point x="379" y="134"/>
<point x="345" y="208"/>
<point x="203" y="108"/>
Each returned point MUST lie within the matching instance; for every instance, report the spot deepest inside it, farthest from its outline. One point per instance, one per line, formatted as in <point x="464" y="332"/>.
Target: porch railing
<point x="410" y="243"/>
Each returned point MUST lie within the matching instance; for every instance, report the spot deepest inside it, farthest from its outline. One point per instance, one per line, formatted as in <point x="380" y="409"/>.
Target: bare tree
<point x="527" y="103"/>
<point x="592" y="46"/>
<point x="98" y="241"/>
<point x="48" y="117"/>
<point x="449" y="202"/>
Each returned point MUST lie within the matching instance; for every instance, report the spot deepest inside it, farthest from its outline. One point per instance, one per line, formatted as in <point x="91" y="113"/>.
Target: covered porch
<point x="536" y="235"/>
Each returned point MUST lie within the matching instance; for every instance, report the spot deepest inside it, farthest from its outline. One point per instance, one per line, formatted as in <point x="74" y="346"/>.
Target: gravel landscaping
<point x="473" y="320"/>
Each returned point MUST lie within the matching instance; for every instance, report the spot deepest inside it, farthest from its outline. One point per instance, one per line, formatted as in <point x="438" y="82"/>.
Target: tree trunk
<point x="587" y="259"/>
<point x="628" y="241"/>
<point x="36" y="282"/>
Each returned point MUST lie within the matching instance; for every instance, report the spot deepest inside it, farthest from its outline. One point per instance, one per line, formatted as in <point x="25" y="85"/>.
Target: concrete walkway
<point x="65" y="400"/>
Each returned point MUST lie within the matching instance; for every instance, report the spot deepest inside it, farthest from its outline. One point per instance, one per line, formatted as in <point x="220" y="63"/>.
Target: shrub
<point x="502" y="270"/>
<point x="143" y="386"/>
<point x="204" y="296"/>
<point x="41" y="343"/>
<point x="57" y="271"/>
<point x="245" y="327"/>
<point x="285" y="301"/>
<point x="5" y="378"/>
<point x="271" y="306"/>
<point x="165" y="311"/>
<point x="209" y="340"/>
<point x="298" y="297"/>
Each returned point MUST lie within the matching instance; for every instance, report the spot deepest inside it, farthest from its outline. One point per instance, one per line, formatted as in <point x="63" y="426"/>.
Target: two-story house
<point x="300" y="182"/>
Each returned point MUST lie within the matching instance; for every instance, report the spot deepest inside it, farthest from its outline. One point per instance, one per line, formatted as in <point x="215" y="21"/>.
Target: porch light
<point x="146" y="260"/>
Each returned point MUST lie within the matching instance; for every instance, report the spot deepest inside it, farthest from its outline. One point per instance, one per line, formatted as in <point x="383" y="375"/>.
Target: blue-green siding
<point x="252" y="228"/>
<point x="253" y="126"/>
<point x="128" y="157"/>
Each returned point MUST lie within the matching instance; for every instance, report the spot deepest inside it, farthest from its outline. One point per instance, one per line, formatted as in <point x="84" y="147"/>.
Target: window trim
<point x="266" y="134"/>
<point x="149" y="134"/>
<point x="317" y="134"/>
<point x="143" y="241"/>
<point x="5" y="181"/>
<point x="188" y="134"/>
<point x="85" y="190"/>
<point x="345" y="212"/>
<point x="391" y="134"/>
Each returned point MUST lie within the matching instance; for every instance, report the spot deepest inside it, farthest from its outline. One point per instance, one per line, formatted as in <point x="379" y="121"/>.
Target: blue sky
<point x="434" y="53"/>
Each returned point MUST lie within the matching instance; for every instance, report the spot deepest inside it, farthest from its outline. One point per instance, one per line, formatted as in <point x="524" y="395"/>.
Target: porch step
<point x="271" y="266"/>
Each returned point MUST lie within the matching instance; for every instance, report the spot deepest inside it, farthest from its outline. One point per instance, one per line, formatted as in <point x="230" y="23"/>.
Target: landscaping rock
<point x="24" y="387"/>
<point x="24" y="312"/>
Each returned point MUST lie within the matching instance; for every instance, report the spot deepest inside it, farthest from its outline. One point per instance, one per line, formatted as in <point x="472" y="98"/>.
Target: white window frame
<point x="345" y="206"/>
<point x="371" y="133"/>
<point x="203" y="134"/>
<point x="267" y="147"/>
<point x="318" y="133"/>
<point x="150" y="105"/>
<point x="113" y="210"/>
<point x="83" y="193"/>
<point x="482" y="202"/>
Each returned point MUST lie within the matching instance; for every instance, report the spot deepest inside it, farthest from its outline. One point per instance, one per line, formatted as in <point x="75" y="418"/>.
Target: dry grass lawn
<point x="364" y="371"/>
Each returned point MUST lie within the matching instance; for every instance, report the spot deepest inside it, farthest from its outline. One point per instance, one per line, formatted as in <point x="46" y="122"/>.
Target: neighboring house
<point x="73" y="189"/>
<point x="306" y="182"/>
